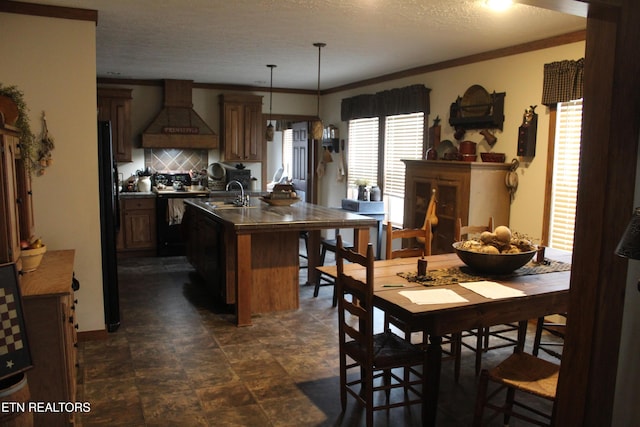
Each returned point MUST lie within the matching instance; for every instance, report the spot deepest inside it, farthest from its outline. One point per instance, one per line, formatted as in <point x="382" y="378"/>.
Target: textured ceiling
<point x="231" y="41"/>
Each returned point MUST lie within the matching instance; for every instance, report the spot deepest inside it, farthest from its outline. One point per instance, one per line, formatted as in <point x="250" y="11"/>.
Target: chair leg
<point x="316" y="288"/>
<point x="511" y="393"/>
<point x="538" y="336"/>
<point x="481" y="398"/>
<point x="479" y="348"/>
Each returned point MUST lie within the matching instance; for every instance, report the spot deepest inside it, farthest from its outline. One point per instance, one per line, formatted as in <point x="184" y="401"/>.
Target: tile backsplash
<point x="175" y="160"/>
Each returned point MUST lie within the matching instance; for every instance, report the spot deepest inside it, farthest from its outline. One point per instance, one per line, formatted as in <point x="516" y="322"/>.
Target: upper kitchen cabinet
<point x="114" y="105"/>
<point x="242" y="127"/>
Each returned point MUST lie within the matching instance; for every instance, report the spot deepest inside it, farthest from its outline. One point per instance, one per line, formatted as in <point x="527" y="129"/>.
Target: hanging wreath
<point x="45" y="158"/>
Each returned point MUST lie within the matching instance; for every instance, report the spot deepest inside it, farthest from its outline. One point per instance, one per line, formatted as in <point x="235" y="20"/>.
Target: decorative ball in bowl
<point x="492" y="263"/>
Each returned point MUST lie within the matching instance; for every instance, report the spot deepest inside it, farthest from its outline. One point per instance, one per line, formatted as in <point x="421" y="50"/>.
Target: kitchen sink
<point x="224" y="205"/>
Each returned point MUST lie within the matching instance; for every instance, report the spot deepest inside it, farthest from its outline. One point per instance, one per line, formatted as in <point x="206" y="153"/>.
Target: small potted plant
<point x="28" y="141"/>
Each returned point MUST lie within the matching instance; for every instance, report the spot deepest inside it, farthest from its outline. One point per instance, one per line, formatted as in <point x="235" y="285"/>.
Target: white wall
<point x="53" y="61"/>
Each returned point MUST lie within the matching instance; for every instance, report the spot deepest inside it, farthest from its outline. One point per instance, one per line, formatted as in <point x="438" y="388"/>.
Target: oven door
<point x="169" y="215"/>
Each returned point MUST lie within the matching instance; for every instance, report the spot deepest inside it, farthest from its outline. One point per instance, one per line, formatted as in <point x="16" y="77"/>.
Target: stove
<point x="169" y="211"/>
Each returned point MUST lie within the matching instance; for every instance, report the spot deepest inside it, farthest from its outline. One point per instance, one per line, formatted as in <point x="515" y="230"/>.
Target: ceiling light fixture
<point x="499" y="5"/>
<point x="269" y="132"/>
<point x="316" y="126"/>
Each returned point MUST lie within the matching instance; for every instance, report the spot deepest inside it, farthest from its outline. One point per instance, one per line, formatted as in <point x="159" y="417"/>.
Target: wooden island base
<point x="248" y="256"/>
<point x="274" y="268"/>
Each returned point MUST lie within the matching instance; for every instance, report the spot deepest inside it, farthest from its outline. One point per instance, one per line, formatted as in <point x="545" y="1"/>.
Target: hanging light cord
<point x="271" y="91"/>
<point x="319" y="46"/>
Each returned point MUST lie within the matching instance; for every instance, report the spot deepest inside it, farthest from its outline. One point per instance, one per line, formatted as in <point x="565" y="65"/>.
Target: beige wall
<point x="53" y="62"/>
<point x="520" y="76"/>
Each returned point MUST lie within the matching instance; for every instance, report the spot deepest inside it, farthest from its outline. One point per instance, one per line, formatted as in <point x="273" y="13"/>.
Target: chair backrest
<point x="420" y="243"/>
<point x="469" y="230"/>
<point x="355" y="298"/>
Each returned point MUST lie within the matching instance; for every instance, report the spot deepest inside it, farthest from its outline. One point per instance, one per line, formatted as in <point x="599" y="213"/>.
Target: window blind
<point x="363" y="151"/>
<point x="403" y="140"/>
<point x="565" y="174"/>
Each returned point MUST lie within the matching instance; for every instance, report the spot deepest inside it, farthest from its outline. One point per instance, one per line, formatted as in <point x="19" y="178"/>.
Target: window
<point x="377" y="158"/>
<point x="287" y="151"/>
<point x="402" y="140"/>
<point x="564" y="187"/>
<point x="363" y="151"/>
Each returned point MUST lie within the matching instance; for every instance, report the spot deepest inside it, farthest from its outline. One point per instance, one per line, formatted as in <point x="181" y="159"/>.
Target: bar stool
<point x="331" y="246"/>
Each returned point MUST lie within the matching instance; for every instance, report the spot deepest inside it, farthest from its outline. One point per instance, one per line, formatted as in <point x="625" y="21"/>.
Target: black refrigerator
<point x="109" y="224"/>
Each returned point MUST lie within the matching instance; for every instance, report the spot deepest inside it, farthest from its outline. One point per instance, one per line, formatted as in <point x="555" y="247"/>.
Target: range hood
<point x="178" y="125"/>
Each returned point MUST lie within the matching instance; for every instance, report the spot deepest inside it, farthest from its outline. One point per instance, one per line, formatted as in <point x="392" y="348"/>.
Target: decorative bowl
<point x="31" y="258"/>
<point x="280" y="202"/>
<point x="493" y="157"/>
<point x="493" y="263"/>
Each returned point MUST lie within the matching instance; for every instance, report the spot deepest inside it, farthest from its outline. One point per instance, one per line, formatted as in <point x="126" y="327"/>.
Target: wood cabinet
<point x="472" y="191"/>
<point x="206" y="251"/>
<point x="242" y="127"/>
<point x="49" y="310"/>
<point x="115" y="105"/>
<point x="9" y="210"/>
<point x="138" y="225"/>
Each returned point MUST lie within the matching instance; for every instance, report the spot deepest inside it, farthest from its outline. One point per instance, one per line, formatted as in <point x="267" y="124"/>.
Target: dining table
<point x="452" y="298"/>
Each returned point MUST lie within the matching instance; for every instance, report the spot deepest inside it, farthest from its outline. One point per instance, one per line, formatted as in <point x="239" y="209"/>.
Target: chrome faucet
<point x="241" y="200"/>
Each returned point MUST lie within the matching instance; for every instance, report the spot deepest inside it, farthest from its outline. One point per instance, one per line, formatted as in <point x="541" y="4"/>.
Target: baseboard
<point x="101" y="334"/>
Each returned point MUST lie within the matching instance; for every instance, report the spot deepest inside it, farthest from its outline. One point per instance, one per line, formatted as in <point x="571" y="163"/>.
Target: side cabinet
<point x="9" y="209"/>
<point x="472" y="191"/>
<point x="114" y="104"/>
<point x="242" y="127"/>
<point x="50" y="321"/>
<point x="138" y="225"/>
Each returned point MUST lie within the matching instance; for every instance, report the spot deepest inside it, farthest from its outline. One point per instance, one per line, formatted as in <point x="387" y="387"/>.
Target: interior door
<point x="300" y="173"/>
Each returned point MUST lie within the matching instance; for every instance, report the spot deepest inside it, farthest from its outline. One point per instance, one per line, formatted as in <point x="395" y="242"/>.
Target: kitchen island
<point x="250" y="253"/>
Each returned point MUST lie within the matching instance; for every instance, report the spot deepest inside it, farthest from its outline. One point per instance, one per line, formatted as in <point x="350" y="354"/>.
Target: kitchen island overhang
<point x="261" y="246"/>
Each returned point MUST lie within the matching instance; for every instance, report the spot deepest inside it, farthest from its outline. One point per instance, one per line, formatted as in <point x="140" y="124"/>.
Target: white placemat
<point x="433" y="296"/>
<point x="492" y="290"/>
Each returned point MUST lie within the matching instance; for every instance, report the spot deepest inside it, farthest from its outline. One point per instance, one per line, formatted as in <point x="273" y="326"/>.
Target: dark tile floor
<point x="178" y="360"/>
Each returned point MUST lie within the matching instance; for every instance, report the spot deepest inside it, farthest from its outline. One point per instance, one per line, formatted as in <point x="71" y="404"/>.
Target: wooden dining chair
<point x="369" y="361"/>
<point x="411" y="239"/>
<point x="520" y="372"/>
<point x="416" y="248"/>
<point x="504" y="333"/>
<point x="554" y="328"/>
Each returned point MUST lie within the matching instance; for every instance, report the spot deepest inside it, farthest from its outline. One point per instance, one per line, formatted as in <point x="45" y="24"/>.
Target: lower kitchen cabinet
<point x="137" y="234"/>
<point x="49" y="311"/>
<point x="206" y="251"/>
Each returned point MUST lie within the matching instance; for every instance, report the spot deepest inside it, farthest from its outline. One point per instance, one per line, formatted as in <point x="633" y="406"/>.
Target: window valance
<point x="563" y="81"/>
<point x="410" y="99"/>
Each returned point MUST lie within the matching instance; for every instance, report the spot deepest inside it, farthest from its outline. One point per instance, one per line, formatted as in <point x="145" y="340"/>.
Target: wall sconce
<point x="629" y="245"/>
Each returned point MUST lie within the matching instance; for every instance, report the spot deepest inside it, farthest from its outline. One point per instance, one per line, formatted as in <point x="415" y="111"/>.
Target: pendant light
<point x="316" y="126"/>
<point x="269" y="132"/>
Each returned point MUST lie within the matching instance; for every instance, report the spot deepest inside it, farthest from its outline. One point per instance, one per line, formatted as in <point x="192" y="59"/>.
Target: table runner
<point x="452" y="275"/>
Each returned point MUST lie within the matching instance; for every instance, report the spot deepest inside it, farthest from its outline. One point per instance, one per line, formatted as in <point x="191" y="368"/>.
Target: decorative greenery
<point x="28" y="142"/>
<point x="361" y="182"/>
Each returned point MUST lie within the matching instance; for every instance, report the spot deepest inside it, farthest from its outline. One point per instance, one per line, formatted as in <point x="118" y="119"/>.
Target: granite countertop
<point x="136" y="194"/>
<point x="260" y="216"/>
<point x="212" y="194"/>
